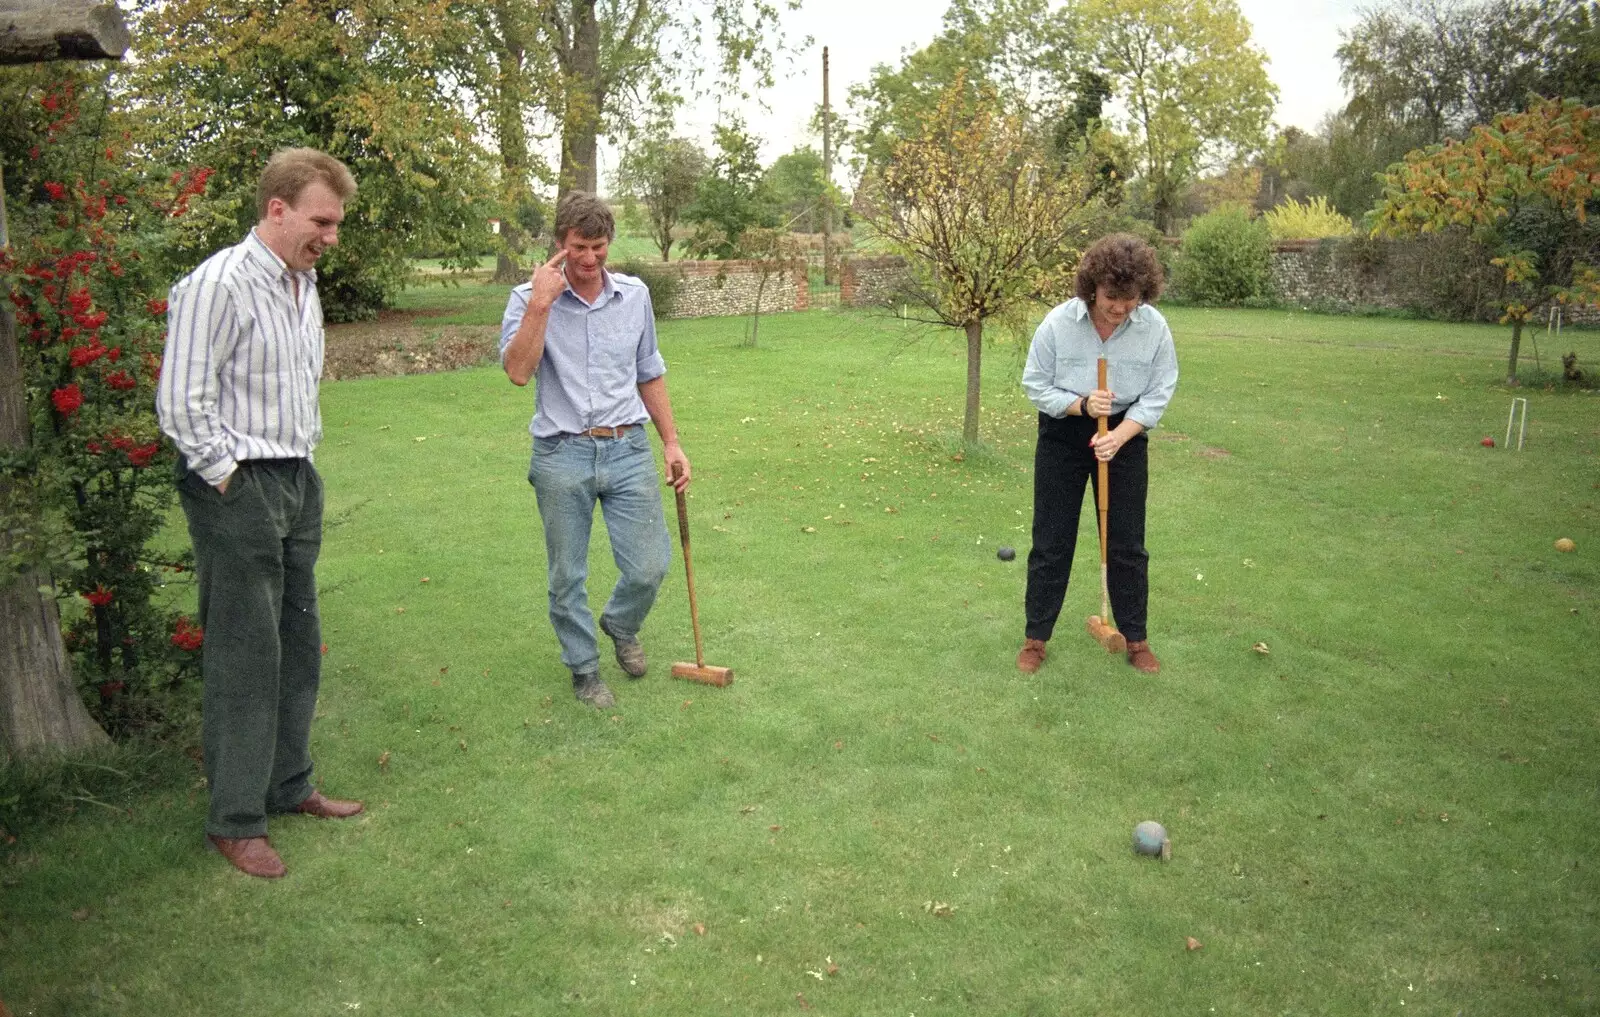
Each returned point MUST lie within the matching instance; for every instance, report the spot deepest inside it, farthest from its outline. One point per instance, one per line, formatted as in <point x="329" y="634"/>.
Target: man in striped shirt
<point x="238" y="396"/>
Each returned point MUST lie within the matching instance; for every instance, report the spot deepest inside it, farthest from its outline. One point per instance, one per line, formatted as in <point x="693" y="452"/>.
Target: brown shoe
<point x="1140" y="657"/>
<point x="1032" y="655"/>
<point x="252" y="856"/>
<point x="328" y="808"/>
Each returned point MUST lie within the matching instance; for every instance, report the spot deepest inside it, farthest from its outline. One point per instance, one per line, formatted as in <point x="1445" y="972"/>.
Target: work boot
<point x="630" y="653"/>
<point x="1032" y="655"/>
<point x="1140" y="657"/>
<point x="590" y="689"/>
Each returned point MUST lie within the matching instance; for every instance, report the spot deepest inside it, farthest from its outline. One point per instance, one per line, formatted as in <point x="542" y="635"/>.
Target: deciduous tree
<point x="984" y="220"/>
<point x="615" y="58"/>
<point x="663" y="174"/>
<point x="1193" y="86"/>
<point x="226" y="82"/>
<point x="1524" y="187"/>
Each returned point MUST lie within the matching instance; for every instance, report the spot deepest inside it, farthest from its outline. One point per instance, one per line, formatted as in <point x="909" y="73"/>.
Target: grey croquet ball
<point x="1148" y="837"/>
<point x="1006" y="553"/>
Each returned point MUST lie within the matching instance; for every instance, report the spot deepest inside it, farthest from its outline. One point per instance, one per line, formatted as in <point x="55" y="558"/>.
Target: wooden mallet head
<point x="1105" y="635"/>
<point x="708" y="674"/>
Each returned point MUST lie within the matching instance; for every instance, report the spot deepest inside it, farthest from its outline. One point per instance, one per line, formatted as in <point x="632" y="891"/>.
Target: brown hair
<point x="587" y="214"/>
<point x="1120" y="265"/>
<point x="291" y="170"/>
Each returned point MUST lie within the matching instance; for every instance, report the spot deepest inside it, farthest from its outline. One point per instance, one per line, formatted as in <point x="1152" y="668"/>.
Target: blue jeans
<point x="569" y="474"/>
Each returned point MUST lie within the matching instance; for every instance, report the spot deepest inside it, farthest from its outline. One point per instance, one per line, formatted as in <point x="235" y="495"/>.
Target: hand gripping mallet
<point x="1099" y="625"/>
<point x="698" y="671"/>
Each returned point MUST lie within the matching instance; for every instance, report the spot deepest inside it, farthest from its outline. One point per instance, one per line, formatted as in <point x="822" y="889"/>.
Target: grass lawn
<point x="1393" y="811"/>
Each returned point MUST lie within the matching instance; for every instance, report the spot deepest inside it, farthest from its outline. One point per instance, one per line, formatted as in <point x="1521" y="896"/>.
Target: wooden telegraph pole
<point x="39" y="705"/>
<point x="827" y="176"/>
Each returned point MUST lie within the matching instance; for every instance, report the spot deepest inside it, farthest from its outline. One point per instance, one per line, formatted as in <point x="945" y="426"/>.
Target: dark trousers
<point x="255" y="549"/>
<point x="1063" y="467"/>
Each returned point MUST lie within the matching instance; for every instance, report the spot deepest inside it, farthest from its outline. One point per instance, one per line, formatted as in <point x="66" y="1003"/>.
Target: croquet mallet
<point x="1099" y="625"/>
<point x="698" y="671"/>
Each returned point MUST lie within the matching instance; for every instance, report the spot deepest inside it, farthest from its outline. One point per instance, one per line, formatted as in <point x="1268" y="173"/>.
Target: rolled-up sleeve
<point x="516" y="308"/>
<point x="650" y="363"/>
<point x="202" y="331"/>
<point x="1039" y="376"/>
<point x="1149" y="407"/>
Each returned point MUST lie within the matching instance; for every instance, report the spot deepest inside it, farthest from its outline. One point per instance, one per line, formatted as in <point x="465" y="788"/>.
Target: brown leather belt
<point x="608" y="432"/>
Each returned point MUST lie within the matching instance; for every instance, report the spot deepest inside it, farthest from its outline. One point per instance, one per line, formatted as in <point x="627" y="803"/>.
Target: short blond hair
<point x="291" y="170"/>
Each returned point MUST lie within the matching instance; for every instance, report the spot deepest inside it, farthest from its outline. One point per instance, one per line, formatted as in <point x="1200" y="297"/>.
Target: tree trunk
<point x="39" y="707"/>
<point x="755" y="317"/>
<point x="511" y="99"/>
<point x="1516" y="347"/>
<point x="580" y="126"/>
<point x="969" y="426"/>
<point x="39" y="31"/>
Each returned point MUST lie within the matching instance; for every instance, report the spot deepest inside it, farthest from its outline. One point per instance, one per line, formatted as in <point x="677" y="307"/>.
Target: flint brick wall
<point x="871" y="282"/>
<point x="709" y="289"/>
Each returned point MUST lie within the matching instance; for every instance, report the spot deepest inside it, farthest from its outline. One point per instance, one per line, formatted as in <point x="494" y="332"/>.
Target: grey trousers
<point x="255" y="551"/>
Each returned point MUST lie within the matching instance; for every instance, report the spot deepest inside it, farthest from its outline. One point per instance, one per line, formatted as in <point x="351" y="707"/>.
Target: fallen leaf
<point x="838" y="745"/>
<point x="933" y="737"/>
<point x="938" y="908"/>
<point x="746" y="810"/>
<point x="463" y="744"/>
<point x="833" y="969"/>
<point x="426" y="579"/>
<point x="774" y="827"/>
<point x="399" y="610"/>
<point x="1261" y="648"/>
<point x="686" y="704"/>
<point x="808" y="529"/>
<point x="383" y="760"/>
<point x="802" y="998"/>
<point x="699" y="928"/>
<point x="1190" y="943"/>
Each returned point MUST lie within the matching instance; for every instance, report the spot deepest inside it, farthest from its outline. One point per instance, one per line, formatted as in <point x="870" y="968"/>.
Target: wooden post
<point x="827" y="176"/>
<point x="36" y="32"/>
<point x="39" y="705"/>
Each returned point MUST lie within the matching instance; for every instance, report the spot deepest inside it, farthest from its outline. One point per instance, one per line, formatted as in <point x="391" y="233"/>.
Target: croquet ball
<point x="1487" y="443"/>
<point x="1006" y="553"/>
<point x="1566" y="544"/>
<point x="1148" y="837"/>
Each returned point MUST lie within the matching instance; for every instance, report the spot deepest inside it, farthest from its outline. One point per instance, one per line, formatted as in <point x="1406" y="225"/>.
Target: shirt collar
<point x="608" y="290"/>
<point x="267" y="258"/>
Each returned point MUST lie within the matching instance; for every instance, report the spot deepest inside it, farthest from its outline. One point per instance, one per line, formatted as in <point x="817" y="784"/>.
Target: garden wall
<point x="706" y="289"/>
<point x="872" y="282"/>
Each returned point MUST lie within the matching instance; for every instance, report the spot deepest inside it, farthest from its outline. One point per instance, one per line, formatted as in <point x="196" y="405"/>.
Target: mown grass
<point x="1395" y="805"/>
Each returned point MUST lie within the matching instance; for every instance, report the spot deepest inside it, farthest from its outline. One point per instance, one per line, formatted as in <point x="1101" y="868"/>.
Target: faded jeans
<point x="569" y="473"/>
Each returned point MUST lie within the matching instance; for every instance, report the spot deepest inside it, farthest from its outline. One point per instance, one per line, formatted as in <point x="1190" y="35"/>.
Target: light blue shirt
<point x="1141" y="362"/>
<point x="243" y="358"/>
<point x="595" y="356"/>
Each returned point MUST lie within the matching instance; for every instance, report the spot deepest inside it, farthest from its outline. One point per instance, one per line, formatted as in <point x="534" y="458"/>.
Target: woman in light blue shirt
<point x="1111" y="317"/>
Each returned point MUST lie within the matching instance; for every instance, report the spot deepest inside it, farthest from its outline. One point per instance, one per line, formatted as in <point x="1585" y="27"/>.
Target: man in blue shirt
<point x="589" y="337"/>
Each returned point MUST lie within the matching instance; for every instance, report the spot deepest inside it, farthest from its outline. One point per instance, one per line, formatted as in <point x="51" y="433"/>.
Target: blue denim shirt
<point x="1141" y="362"/>
<point x="595" y="356"/>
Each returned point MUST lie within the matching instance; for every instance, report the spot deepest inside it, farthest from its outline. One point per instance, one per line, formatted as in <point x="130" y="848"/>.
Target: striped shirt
<point x="239" y="375"/>
<point x="1141" y="362"/>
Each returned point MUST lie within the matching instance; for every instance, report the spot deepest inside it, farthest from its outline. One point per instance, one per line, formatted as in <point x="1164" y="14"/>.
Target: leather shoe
<point x="252" y="856"/>
<point x="1141" y="658"/>
<point x="1032" y="655"/>
<point x="328" y="808"/>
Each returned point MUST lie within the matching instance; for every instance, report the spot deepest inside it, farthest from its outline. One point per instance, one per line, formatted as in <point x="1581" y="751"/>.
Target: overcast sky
<point x="1298" y="36"/>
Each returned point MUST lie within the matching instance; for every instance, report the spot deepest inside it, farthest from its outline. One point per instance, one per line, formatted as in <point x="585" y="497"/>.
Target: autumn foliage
<point x="93" y="487"/>
<point x="1524" y="188"/>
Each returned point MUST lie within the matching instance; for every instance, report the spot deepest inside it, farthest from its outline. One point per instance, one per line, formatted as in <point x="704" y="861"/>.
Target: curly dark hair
<point x="1120" y="265"/>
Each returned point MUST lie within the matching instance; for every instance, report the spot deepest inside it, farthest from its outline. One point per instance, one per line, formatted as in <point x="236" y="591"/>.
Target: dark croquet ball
<point x="1006" y="554"/>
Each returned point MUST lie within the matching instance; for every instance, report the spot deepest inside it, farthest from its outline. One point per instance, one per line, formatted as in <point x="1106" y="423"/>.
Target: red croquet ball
<point x="1487" y="443"/>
